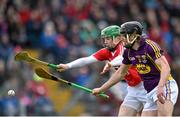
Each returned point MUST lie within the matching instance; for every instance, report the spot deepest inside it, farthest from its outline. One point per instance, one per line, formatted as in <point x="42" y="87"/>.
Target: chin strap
<point x="129" y="46"/>
<point x="131" y="43"/>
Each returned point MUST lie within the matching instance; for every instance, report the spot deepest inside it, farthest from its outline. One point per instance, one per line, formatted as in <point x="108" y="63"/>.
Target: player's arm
<point x="114" y="63"/>
<point x="156" y="53"/>
<point x="165" y="70"/>
<point x="115" y="78"/>
<point x="97" y="56"/>
<point x="77" y="63"/>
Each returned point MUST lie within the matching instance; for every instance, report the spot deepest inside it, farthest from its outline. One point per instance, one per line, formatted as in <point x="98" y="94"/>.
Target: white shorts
<point x="120" y="90"/>
<point x="136" y="97"/>
<point x="170" y="91"/>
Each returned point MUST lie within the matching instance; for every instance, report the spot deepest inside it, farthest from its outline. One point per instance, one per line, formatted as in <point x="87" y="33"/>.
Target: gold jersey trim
<point x="155" y="48"/>
<point x="158" y="67"/>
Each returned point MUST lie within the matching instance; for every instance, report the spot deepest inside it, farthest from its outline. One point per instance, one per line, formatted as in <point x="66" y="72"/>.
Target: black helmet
<point x="130" y="27"/>
<point x="132" y="31"/>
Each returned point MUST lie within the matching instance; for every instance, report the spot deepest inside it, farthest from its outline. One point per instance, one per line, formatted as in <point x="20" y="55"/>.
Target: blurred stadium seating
<point x="59" y="31"/>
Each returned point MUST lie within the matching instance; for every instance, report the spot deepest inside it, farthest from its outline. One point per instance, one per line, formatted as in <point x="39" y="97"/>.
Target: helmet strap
<point x="131" y="43"/>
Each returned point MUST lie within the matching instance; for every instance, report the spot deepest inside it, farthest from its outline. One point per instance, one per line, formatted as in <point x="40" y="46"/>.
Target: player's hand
<point x="160" y="94"/>
<point x="62" y="67"/>
<point x="106" y="68"/>
<point x="96" y="91"/>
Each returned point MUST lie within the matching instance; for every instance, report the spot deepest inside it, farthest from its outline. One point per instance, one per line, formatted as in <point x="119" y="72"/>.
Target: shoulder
<point x="153" y="49"/>
<point x="103" y="51"/>
<point x="152" y="44"/>
<point x="102" y="54"/>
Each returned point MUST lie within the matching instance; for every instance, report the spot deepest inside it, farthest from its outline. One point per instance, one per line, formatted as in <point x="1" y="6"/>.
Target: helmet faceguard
<point x="131" y="31"/>
<point x="110" y="32"/>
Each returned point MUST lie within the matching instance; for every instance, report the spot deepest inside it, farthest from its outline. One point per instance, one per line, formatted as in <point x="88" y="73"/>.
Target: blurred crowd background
<point x="59" y="31"/>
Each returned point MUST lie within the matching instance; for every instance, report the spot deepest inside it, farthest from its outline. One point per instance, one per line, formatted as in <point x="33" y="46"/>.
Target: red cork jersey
<point x="132" y="78"/>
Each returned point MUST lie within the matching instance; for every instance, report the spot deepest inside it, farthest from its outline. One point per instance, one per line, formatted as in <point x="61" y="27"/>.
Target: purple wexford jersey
<point x="144" y="60"/>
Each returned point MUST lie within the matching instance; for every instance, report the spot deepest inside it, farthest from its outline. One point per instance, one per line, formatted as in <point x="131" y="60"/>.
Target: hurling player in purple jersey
<point x="152" y="66"/>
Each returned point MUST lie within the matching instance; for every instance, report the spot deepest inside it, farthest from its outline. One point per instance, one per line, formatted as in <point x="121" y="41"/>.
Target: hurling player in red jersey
<point x="113" y="51"/>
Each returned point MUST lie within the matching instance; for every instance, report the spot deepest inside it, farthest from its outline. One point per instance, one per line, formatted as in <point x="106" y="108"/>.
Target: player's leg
<point x="160" y="109"/>
<point x="149" y="113"/>
<point x="171" y="92"/>
<point x="127" y="111"/>
<point x="165" y="109"/>
<point x="139" y="113"/>
<point x="130" y="106"/>
<point x="150" y="108"/>
<point x="137" y="98"/>
<point x="120" y="90"/>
